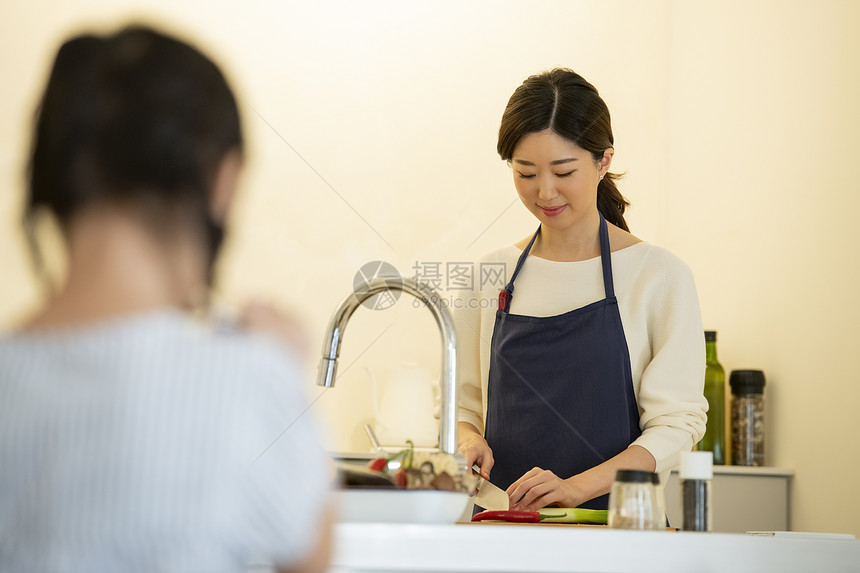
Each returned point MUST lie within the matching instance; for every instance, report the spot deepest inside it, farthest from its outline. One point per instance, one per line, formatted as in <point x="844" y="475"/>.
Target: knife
<point x="491" y="497"/>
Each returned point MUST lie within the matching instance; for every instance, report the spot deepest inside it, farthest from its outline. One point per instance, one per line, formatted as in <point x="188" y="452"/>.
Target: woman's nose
<point x="546" y="188"/>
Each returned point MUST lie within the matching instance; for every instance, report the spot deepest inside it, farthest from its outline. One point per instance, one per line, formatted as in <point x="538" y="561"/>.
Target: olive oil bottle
<point x="714" y="439"/>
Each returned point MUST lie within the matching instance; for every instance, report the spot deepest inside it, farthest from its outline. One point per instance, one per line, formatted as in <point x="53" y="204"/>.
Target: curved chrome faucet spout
<point x="448" y="383"/>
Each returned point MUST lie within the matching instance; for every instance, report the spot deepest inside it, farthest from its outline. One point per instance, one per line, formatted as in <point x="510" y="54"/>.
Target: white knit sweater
<point x="662" y="324"/>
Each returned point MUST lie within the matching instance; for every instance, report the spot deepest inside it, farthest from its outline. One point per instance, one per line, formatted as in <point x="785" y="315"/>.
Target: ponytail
<point x="610" y="202"/>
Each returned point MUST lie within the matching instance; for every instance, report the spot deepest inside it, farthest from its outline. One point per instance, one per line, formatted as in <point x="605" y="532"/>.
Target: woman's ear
<point x="225" y="184"/>
<point x="605" y="161"/>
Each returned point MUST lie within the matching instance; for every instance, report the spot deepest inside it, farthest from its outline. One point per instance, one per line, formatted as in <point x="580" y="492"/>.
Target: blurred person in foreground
<point x="134" y="435"/>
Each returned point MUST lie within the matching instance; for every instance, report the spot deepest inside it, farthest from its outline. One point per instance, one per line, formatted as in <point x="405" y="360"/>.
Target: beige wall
<point x="735" y="123"/>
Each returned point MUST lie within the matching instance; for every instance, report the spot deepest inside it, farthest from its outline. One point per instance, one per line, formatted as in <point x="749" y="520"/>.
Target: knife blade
<point x="491" y="497"/>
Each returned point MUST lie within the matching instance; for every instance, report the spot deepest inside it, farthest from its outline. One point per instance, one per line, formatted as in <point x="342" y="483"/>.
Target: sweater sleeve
<point x="671" y="391"/>
<point x="467" y="324"/>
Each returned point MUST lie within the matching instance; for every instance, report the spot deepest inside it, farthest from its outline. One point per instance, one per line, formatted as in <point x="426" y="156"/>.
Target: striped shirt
<point x="153" y="443"/>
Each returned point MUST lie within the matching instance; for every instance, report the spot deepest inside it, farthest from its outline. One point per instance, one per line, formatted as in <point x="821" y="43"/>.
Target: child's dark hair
<point x="135" y="118"/>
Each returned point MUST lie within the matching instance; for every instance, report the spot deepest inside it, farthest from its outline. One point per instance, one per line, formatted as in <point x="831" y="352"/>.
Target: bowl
<point x="385" y="505"/>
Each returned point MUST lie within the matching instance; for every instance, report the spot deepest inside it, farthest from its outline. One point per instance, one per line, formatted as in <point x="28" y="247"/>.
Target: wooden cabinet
<point x="744" y="499"/>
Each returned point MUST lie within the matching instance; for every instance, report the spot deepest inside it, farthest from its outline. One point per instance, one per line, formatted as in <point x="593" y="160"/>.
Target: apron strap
<point x="605" y="259"/>
<point x="509" y="288"/>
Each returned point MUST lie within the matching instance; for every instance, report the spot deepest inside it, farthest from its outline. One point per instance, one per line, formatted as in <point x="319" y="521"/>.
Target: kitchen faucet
<point x="341" y="316"/>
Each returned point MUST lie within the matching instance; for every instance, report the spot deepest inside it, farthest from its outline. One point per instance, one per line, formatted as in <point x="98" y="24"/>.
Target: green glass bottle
<point x="714" y="439"/>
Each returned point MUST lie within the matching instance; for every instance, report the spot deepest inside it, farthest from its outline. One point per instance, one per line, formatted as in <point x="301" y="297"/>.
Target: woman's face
<point x="556" y="179"/>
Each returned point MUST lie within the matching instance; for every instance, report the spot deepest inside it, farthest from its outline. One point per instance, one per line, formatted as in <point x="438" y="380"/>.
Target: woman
<point x="134" y="436"/>
<point x="595" y="361"/>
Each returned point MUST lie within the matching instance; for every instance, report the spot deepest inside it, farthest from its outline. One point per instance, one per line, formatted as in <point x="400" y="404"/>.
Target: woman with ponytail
<point x="595" y="362"/>
<point x="136" y="434"/>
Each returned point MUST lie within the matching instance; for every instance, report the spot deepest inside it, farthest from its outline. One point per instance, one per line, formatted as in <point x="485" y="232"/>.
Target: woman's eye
<point x="564" y="174"/>
<point x="524" y="175"/>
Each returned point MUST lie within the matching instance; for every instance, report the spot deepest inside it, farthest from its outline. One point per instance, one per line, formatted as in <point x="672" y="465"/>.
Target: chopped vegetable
<point x="401" y="479"/>
<point x="381" y="464"/>
<point x="427" y="470"/>
<point x="547" y="515"/>
<point x="378" y="464"/>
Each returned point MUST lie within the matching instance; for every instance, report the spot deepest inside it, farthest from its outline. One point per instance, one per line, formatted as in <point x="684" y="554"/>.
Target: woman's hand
<point x="475" y="448"/>
<point x="539" y="488"/>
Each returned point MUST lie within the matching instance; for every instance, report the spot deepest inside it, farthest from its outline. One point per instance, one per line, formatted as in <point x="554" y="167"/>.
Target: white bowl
<point x="400" y="505"/>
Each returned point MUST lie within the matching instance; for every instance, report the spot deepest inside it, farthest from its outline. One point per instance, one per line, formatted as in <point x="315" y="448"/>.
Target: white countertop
<point x="391" y="548"/>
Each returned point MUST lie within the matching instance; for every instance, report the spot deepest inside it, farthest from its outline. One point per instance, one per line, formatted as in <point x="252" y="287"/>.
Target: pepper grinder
<point x="696" y="472"/>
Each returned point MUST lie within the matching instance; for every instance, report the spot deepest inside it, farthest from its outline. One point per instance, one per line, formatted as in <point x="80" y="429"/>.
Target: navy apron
<point x="560" y="391"/>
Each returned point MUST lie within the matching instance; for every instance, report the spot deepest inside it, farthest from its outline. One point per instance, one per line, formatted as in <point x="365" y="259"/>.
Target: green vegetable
<point x="410" y="454"/>
<point x="407" y="455"/>
<point x="574" y="515"/>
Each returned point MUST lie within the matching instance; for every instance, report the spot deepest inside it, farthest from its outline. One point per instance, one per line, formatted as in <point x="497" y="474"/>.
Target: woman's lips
<point x="552" y="211"/>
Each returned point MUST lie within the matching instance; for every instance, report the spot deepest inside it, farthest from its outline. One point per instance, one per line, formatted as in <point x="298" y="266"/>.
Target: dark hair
<point x="134" y="118"/>
<point x="561" y="100"/>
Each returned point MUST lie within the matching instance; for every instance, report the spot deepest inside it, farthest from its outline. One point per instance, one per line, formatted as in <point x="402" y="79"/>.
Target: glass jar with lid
<point x="748" y="432"/>
<point x="635" y="502"/>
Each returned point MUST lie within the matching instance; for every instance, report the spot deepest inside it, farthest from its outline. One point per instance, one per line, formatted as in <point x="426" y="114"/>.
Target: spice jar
<point x="634" y="501"/>
<point x="747" y="417"/>
<point x="697" y="469"/>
